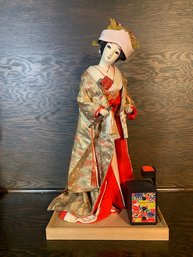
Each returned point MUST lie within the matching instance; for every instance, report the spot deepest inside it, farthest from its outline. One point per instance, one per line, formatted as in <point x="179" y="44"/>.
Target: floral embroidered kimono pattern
<point x="100" y="163"/>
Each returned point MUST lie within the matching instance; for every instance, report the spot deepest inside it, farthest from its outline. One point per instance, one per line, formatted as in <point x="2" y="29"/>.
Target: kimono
<point x="100" y="164"/>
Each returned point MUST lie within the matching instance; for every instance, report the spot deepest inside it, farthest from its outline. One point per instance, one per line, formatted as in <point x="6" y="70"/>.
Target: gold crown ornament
<point x="116" y="26"/>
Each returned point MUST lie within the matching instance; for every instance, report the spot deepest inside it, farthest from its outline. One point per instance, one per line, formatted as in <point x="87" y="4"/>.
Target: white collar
<point x="97" y="75"/>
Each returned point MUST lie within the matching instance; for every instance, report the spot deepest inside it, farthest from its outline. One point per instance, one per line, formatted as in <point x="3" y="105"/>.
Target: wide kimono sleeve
<point x="87" y="97"/>
<point x="129" y="100"/>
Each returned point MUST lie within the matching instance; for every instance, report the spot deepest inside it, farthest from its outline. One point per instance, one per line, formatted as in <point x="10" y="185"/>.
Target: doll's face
<point x="111" y="53"/>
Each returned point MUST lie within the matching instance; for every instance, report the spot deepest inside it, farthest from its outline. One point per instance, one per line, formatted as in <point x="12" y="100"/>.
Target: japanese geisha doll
<point x="100" y="163"/>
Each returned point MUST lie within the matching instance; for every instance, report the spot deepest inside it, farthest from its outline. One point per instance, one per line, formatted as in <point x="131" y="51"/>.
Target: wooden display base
<point x="115" y="227"/>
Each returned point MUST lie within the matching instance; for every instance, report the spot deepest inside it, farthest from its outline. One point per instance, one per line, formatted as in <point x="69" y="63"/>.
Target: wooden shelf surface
<point x="115" y="227"/>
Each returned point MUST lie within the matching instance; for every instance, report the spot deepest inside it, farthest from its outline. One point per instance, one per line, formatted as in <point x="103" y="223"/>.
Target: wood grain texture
<point x="46" y="45"/>
<point x="23" y="219"/>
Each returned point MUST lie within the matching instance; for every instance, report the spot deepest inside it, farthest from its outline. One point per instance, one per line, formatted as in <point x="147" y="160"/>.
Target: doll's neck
<point x="103" y="65"/>
<point x="106" y="69"/>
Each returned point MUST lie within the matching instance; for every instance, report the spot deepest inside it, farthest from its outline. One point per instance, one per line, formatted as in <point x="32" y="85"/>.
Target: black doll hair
<point x="102" y="46"/>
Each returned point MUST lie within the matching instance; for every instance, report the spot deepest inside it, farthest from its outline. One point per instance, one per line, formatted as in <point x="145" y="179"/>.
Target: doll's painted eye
<point x="117" y="52"/>
<point x="108" y="46"/>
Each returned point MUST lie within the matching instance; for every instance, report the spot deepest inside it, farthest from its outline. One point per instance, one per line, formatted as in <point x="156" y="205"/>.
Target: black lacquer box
<point x="141" y="200"/>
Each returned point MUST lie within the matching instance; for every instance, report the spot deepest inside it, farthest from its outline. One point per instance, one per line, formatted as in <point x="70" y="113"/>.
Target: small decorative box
<point x="141" y="201"/>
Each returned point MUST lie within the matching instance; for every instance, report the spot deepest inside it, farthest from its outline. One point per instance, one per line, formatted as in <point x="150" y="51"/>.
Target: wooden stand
<point x="115" y="227"/>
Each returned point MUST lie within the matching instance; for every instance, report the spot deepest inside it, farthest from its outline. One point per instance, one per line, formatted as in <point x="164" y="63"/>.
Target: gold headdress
<point x="114" y="25"/>
<point x="117" y="26"/>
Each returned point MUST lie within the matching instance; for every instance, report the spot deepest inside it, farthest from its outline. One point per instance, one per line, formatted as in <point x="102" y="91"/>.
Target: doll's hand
<point x="128" y="109"/>
<point x="104" y="112"/>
